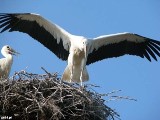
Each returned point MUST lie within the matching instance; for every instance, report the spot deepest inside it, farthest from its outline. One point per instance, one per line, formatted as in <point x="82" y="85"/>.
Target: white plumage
<point x="6" y="63"/>
<point x="78" y="50"/>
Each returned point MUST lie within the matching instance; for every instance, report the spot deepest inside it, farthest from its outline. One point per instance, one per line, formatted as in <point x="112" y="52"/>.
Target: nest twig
<point x="45" y="97"/>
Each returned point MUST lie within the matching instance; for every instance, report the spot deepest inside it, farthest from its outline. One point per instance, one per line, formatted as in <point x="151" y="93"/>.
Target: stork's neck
<point x="8" y="56"/>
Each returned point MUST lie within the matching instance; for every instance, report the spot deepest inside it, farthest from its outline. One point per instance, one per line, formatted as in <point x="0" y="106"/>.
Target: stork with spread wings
<point x="78" y="50"/>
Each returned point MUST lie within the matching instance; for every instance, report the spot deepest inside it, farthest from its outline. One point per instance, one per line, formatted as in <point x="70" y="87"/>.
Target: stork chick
<point x="6" y="63"/>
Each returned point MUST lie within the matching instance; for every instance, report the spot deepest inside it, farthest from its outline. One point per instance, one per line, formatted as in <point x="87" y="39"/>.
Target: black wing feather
<point x="12" y="23"/>
<point x="151" y="53"/>
<point x="154" y="49"/>
<point x="142" y="49"/>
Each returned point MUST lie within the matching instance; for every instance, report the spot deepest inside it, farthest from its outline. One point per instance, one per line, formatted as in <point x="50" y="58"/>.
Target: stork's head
<point x="84" y="46"/>
<point x="7" y="50"/>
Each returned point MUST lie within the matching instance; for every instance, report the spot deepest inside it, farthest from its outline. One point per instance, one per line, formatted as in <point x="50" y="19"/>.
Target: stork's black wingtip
<point x="153" y="60"/>
<point x="149" y="59"/>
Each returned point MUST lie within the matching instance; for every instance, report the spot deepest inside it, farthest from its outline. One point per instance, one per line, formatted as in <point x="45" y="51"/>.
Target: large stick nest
<point x="28" y="96"/>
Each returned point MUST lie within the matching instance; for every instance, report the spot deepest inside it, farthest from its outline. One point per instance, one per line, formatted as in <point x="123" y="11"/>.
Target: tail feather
<point x="76" y="75"/>
<point x="66" y="75"/>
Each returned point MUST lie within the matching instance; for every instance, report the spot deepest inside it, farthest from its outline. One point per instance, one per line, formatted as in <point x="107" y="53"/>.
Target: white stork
<point x="78" y="50"/>
<point x="6" y="63"/>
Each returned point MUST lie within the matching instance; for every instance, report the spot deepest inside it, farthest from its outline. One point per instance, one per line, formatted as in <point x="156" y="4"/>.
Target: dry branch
<point x="45" y="97"/>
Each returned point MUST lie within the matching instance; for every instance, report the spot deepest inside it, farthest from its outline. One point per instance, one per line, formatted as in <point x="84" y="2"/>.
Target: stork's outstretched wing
<point x="116" y="45"/>
<point x="50" y="35"/>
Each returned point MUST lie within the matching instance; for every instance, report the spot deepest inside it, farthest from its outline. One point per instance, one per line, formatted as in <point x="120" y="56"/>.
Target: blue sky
<point x="136" y="77"/>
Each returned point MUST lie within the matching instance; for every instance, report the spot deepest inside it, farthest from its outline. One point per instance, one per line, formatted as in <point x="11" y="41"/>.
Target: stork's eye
<point x="8" y="47"/>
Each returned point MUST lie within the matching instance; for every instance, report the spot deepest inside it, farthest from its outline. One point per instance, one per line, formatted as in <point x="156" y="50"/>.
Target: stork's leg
<point x="82" y="68"/>
<point x="81" y="77"/>
<point x="70" y="65"/>
<point x="71" y="76"/>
